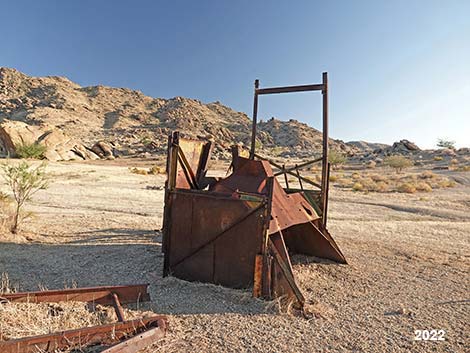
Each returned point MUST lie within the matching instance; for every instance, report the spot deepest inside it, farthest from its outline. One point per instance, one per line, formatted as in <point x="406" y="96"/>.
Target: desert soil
<point x="408" y="255"/>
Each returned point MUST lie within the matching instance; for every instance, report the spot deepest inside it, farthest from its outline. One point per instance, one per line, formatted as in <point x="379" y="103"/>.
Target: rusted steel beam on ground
<point x="99" y="295"/>
<point x="105" y="334"/>
<point x="140" y="341"/>
<point x="118" y="308"/>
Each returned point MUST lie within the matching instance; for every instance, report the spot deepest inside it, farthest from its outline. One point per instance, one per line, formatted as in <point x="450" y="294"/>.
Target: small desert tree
<point x="398" y="162"/>
<point x="336" y="158"/>
<point x="443" y="143"/>
<point x="24" y="181"/>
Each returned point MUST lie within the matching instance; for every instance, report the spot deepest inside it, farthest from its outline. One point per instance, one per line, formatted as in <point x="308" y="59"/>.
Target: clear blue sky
<point x="398" y="69"/>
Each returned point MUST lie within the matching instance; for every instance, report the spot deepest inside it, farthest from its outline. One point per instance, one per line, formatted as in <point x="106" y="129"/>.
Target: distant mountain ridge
<point x="135" y="123"/>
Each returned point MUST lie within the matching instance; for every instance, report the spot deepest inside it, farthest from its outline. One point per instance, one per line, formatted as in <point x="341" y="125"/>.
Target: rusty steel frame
<point x="238" y="231"/>
<point x="323" y="87"/>
<point x="128" y="294"/>
<point x="212" y="233"/>
<point x="104" y="335"/>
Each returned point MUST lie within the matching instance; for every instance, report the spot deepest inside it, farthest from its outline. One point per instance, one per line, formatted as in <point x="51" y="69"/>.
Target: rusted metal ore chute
<point x="238" y="231"/>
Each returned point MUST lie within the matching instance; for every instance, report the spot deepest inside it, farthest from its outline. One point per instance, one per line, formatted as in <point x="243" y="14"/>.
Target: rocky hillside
<point x="138" y="125"/>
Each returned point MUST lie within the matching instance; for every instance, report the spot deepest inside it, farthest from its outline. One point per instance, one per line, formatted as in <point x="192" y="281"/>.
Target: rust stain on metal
<point x="240" y="230"/>
<point x="128" y="294"/>
<point x="140" y="341"/>
<point x="103" y="335"/>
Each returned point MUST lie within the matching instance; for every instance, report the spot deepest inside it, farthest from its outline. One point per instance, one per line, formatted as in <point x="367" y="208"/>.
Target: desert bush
<point x="438" y="158"/>
<point x="156" y="170"/>
<point x="407" y="188"/>
<point x="382" y="187"/>
<point x="333" y="178"/>
<point x="423" y="186"/>
<point x="146" y="141"/>
<point x="427" y="175"/>
<point x="378" y="177"/>
<point x="398" y="162"/>
<point x="358" y="187"/>
<point x="336" y="158"/>
<point x="443" y="143"/>
<point x="465" y="168"/>
<point x="31" y="150"/>
<point x="138" y="171"/>
<point x="355" y="176"/>
<point x="445" y="183"/>
<point x="151" y="171"/>
<point x="368" y="184"/>
<point x="24" y="181"/>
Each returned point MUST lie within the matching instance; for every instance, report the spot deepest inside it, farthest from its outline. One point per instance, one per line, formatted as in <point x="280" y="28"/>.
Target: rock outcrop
<point x="138" y="125"/>
<point x="58" y="146"/>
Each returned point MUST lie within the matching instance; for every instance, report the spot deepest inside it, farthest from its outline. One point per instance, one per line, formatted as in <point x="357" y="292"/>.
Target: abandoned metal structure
<point x="238" y="231"/>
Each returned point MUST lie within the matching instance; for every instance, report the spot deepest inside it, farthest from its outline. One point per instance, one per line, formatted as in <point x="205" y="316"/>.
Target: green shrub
<point x="336" y="158"/>
<point x="31" y="150"/>
<point x="443" y="143"/>
<point x="398" y="162"/>
<point x="24" y="181"/>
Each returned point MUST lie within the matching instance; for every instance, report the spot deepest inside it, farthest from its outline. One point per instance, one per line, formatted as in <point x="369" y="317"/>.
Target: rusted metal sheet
<point x="307" y="239"/>
<point x="193" y="156"/>
<point x="215" y="234"/>
<point x="138" y="342"/>
<point x="99" y="295"/>
<point x="103" y="335"/>
<point x="250" y="176"/>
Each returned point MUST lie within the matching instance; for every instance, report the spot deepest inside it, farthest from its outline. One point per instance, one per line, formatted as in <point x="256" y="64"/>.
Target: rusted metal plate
<point x="140" y="341"/>
<point x="105" y="335"/>
<point x="217" y="237"/>
<point x="99" y="295"/>
<point x="250" y="176"/>
<point x="194" y="156"/>
<point x="309" y="240"/>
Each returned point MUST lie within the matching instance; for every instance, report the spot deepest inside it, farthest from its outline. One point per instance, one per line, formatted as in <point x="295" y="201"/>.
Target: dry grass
<point x="29" y="319"/>
<point x="155" y="170"/>
<point x="382" y="183"/>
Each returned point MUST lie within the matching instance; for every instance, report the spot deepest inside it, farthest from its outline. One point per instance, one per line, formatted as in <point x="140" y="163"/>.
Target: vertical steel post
<point x="324" y="191"/>
<point x="255" y="118"/>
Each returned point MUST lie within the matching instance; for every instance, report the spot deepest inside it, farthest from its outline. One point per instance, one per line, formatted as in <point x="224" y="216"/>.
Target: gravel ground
<point x="408" y="267"/>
